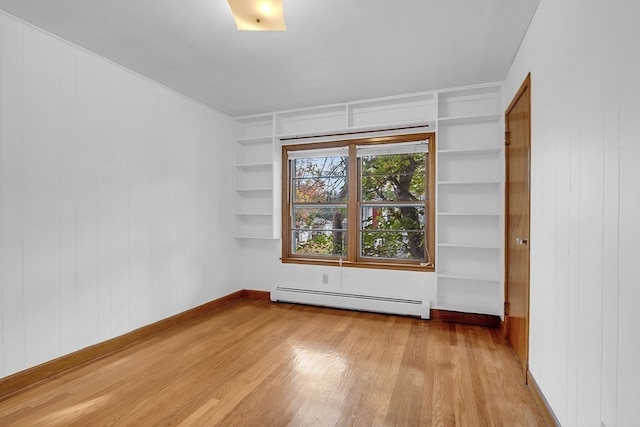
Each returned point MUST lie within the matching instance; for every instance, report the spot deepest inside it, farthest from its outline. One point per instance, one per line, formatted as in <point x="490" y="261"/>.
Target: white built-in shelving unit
<point x="256" y="179"/>
<point x="470" y="178"/>
<point x="470" y="200"/>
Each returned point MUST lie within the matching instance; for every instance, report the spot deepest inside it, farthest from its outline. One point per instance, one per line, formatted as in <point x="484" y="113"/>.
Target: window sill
<point x="368" y="264"/>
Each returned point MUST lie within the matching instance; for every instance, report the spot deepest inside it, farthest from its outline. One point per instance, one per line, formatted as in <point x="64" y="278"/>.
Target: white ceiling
<point x="333" y="50"/>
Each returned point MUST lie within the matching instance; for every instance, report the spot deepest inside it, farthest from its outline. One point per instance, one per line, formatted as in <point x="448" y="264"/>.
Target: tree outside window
<point x="377" y="216"/>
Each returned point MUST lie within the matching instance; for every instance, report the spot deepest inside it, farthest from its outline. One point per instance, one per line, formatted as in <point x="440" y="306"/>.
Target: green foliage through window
<point x="390" y="207"/>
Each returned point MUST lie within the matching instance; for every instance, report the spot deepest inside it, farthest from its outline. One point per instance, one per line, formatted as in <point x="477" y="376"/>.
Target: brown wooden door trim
<point x="526" y="84"/>
<point x="525" y="87"/>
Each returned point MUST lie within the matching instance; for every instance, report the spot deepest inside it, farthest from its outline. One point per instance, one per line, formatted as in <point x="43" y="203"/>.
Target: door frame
<point x="525" y="86"/>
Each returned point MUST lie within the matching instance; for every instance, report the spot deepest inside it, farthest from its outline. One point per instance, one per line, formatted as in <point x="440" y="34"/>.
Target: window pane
<point x="392" y="217"/>
<point x="396" y="177"/>
<point x="386" y="196"/>
<point x="320" y="179"/>
<point x="315" y="242"/>
<point x="393" y="244"/>
<point x="320" y="231"/>
<point x="393" y="231"/>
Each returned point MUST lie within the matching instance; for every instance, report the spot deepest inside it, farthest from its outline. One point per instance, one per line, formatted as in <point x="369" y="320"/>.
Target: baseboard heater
<point x="378" y="304"/>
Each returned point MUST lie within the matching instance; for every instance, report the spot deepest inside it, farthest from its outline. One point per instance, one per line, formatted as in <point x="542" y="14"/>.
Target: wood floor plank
<point x="256" y="363"/>
<point x="405" y="404"/>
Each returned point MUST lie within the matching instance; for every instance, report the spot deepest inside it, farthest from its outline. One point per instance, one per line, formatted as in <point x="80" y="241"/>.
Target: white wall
<point x="114" y="195"/>
<point x="584" y="59"/>
<point x="265" y="270"/>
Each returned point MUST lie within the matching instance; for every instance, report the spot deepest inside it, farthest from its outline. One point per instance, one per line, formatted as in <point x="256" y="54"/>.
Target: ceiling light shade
<point x="258" y="15"/>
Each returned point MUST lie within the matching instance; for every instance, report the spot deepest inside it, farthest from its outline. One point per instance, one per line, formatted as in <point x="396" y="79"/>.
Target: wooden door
<point x="518" y="148"/>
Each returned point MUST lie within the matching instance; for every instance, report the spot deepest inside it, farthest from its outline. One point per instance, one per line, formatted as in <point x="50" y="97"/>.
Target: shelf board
<point x="253" y="214"/>
<point x="311" y="112"/>
<point x="469" y="182"/>
<point x="248" y="190"/>
<point x="397" y="100"/>
<point x="492" y="150"/>
<point x="254" y="237"/>
<point x="469" y="214"/>
<point x="471" y="276"/>
<point x="481" y="91"/>
<point x="469" y="119"/>
<point x="268" y="139"/>
<point x="254" y="165"/>
<point x="472" y="246"/>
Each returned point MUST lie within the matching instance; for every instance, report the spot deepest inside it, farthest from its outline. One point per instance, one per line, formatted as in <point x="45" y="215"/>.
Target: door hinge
<point x="506" y="309"/>
<point x="507" y="138"/>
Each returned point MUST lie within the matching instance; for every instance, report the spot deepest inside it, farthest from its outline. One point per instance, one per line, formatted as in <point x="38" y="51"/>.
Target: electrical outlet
<point x="325" y="279"/>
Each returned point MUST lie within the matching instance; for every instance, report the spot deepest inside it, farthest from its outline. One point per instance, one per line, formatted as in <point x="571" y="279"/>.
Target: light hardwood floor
<point x="255" y="363"/>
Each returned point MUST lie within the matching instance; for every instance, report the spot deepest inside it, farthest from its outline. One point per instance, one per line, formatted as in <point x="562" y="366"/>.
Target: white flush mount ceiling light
<point x="258" y="15"/>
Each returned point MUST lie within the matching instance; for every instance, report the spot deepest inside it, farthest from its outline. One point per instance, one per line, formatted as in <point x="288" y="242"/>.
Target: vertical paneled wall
<point x="114" y="199"/>
<point x="584" y="59"/>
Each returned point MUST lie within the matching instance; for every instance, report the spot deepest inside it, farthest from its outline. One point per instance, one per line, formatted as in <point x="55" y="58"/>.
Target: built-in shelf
<point x="251" y="141"/>
<point x="471" y="276"/>
<point x="254" y="165"/>
<point x="253" y="236"/>
<point x="311" y="120"/>
<point x="472" y="103"/>
<point x="402" y="112"/>
<point x="255" y="183"/>
<point x="470" y="180"/>
<point x="470" y="177"/>
<point x="470" y="294"/>
<point x="468" y="119"/>
<point x="394" y="111"/>
<point x="253" y="128"/>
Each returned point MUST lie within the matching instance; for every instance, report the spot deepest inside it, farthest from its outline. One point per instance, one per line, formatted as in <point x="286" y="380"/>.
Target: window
<point x="363" y="203"/>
